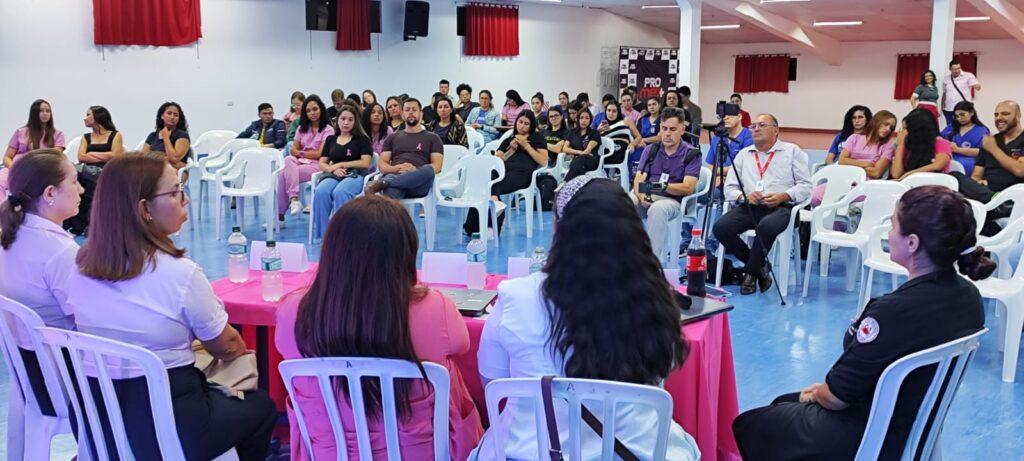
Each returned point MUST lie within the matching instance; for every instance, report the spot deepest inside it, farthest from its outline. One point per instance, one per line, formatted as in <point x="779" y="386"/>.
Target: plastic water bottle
<point x="238" y="256"/>
<point x="270" y="263"/>
<point x="476" y="263"/>
<point x="696" y="266"/>
<point x="538" y="260"/>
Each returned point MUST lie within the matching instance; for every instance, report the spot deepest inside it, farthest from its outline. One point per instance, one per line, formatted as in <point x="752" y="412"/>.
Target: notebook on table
<point x="702" y="308"/>
<point x="471" y="303"/>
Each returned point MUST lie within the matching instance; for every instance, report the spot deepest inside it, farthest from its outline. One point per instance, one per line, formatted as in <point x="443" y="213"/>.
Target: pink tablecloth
<point x="703" y="392"/>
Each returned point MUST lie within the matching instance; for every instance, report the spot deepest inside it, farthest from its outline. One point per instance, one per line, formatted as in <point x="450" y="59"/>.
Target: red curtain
<point x="492" y="30"/>
<point x="353" y="25"/>
<point x="146" y="22"/>
<point x="761" y="73"/>
<point x="910" y="67"/>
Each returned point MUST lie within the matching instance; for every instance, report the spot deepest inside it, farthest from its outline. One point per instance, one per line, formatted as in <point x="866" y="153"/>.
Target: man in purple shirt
<point x="668" y="171"/>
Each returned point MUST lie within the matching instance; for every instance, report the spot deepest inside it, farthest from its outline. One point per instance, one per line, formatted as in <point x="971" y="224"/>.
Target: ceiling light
<point x="657" y="7"/>
<point x="720" y="27"/>
<point x="972" y="18"/>
<point x="783" y="1"/>
<point x="837" y="23"/>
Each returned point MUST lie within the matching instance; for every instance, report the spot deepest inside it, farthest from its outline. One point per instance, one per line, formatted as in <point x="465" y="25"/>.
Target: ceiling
<point x="884" y="20"/>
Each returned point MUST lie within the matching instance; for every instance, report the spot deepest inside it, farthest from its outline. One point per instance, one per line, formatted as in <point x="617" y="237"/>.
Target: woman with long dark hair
<point x="394" y="108"/>
<point x="446" y="125"/>
<point x="304" y="158"/>
<point x="514" y="105"/>
<point x="584" y="142"/>
<point x="345" y="160"/>
<point x="919" y="147"/>
<point x="854" y="122"/>
<point x="933" y="227"/>
<point x="98" y="147"/>
<point x="671" y="98"/>
<point x="374" y="123"/>
<point x="926" y="95"/>
<point x="965" y="135"/>
<point x="540" y="113"/>
<point x="37" y="133"/>
<point x="170" y="136"/>
<point x="570" y="320"/>
<point x="365" y="302"/>
<point x="484" y="118"/>
<point x="134" y="285"/>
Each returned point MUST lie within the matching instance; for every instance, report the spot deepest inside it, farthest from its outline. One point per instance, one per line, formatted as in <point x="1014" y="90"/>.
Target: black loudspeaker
<point x="460" y="21"/>
<point x="375" y="17"/>
<point x="416" y="15"/>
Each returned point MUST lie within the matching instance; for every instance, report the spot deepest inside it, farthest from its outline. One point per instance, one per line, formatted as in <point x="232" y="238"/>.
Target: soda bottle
<point x="696" y="266"/>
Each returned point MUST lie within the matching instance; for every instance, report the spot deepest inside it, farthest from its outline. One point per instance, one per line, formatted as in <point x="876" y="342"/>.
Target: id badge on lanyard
<point x="761" y="170"/>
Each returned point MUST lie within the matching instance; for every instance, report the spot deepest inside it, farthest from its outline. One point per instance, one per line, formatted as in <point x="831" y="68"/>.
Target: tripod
<point x="716" y="201"/>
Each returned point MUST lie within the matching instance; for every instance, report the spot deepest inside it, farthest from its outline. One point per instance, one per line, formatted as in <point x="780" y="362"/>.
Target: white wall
<point x="822" y="93"/>
<point x="259" y="50"/>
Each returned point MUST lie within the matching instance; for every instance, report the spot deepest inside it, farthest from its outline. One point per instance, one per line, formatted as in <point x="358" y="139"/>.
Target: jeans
<point x="331" y="194"/>
<point x="414" y="184"/>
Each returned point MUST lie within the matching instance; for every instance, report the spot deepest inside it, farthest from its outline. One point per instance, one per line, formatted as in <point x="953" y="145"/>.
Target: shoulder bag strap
<point x="957" y="88"/>
<point x="555" y="450"/>
<point x="595" y="424"/>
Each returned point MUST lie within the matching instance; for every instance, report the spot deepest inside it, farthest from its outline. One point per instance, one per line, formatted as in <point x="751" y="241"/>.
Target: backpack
<point x="546" y="185"/>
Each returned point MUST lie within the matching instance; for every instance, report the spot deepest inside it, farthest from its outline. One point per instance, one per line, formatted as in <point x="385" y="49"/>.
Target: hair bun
<point x="975" y="264"/>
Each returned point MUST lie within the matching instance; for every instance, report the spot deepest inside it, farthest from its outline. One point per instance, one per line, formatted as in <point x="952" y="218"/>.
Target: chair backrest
<point x="222" y="156"/>
<point x="490" y="147"/>
<point x="1015" y="194"/>
<point x="452" y="154"/>
<point x="950" y="359"/>
<point x="703" y="187"/>
<point x="99" y="358"/>
<point x="979" y="215"/>
<point x="476" y="169"/>
<point x="929" y="179"/>
<point x="506" y="134"/>
<point x="354" y="369"/>
<point x="444" y="268"/>
<point x="140" y="145"/>
<point x="956" y="167"/>
<point x="839" y="180"/>
<point x="880" y="199"/>
<point x="211" y="141"/>
<point x="611" y="395"/>
<point x="18" y="326"/>
<point x="475" y="139"/>
<point x="257" y="165"/>
<point x="71" y="149"/>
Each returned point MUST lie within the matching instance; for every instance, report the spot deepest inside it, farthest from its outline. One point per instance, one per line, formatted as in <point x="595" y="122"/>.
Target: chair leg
<point x="824" y="256"/>
<point x="430" y="218"/>
<point x="866" y="290"/>
<point x="43" y="430"/>
<point x="15" y="422"/>
<point x="312" y="216"/>
<point x="540" y="209"/>
<point x="217" y="214"/>
<point x="1011" y="339"/>
<point x="481" y="216"/>
<point x="240" y="211"/>
<point x="783" y="255"/>
<point x="529" y="214"/>
<point x="807" y="267"/>
<point x="851" y="262"/>
<point x="718" y="269"/>
<point x="494" y="219"/>
<point x="999" y="310"/>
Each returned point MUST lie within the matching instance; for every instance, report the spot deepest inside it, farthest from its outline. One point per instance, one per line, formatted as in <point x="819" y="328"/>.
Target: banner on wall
<point x="651" y="70"/>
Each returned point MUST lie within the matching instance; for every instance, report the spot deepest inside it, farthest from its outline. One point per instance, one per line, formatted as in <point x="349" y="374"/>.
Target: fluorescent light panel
<point x="784" y="1"/>
<point x="837" y="23"/>
<point x="657" y="7"/>
<point x="972" y="18"/>
<point x="720" y="27"/>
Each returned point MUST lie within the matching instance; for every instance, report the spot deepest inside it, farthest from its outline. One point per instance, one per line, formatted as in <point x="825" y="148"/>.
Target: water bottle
<point x="476" y="263"/>
<point x="270" y="264"/>
<point x="538" y="260"/>
<point x="696" y="266"/>
<point x="238" y="256"/>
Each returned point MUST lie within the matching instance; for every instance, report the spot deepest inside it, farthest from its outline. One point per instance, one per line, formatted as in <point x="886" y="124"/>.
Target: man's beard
<point x="1010" y="126"/>
<point x="412" y="121"/>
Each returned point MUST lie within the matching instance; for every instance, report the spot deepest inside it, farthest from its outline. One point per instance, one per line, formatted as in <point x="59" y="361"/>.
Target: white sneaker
<point x="490" y="234"/>
<point x="499" y="207"/>
<point x="295" y="207"/>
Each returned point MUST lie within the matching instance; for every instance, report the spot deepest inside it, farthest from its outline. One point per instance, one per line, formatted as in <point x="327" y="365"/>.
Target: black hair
<point x="413" y="100"/>
<point x="464" y="86"/>
<point x="39" y="132"/>
<point x="262" y="107"/>
<point x="382" y="131"/>
<point x="848" y="121"/>
<point x="489" y="95"/>
<point x="539" y="95"/>
<point x="437" y="95"/>
<point x="954" y="62"/>
<point x="322" y="123"/>
<point x="664" y="98"/>
<point x="736" y="95"/>
<point x="674" y="112"/>
<point x="564" y="94"/>
<point x="514" y="96"/>
<point x="586" y="297"/>
<point x="944" y="222"/>
<point x="920" y="141"/>
<point x="182" y="123"/>
<point x="444" y="82"/>
<point x="583" y="97"/>
<point x="965" y="106"/>
<point x="608" y="97"/>
<point x="101" y="116"/>
<point x="685" y="91"/>
<point x="354" y="97"/>
<point x="618" y="110"/>
<point x="529" y="116"/>
<point x="935" y="80"/>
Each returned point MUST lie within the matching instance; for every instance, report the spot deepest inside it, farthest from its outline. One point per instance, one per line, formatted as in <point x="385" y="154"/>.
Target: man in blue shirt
<point x="270" y="132"/>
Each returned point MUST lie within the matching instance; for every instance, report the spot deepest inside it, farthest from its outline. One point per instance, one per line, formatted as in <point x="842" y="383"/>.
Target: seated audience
<point x="583" y="146"/>
<point x="696" y="114"/>
<point x="669" y="170"/>
<point x="514" y="105"/>
<point x="872" y="151"/>
<point x="563" y="104"/>
<point x="612" y="124"/>
<point x="999" y="164"/>
<point x="774" y="175"/>
<point x="919" y="148"/>
<point x="376" y="129"/>
<point x="337" y="100"/>
<point x="584" y="100"/>
<point x="466" y="103"/>
<point x="269" y="131"/>
<point x="446" y="126"/>
<point x="355" y="101"/>
<point x="671" y="98"/>
<point x="568" y="321"/>
<point x="410" y="158"/>
<point x="607" y="98"/>
<point x="523" y="152"/>
<point x="443" y="87"/>
<point x="926" y="95"/>
<point x="626" y="102"/>
<point x="429" y="115"/>
<point x="304" y="158"/>
<point x="965" y="135"/>
<point x="171" y="135"/>
<point x="394" y="108"/>
<point x="484" y="118"/>
<point x="134" y="285"/>
<point x="744" y="115"/>
<point x="291" y="119"/>
<point x="649" y="126"/>
<point x="345" y="160"/>
<point x="380" y="313"/>
<point x="37" y="133"/>
<point x="932" y="227"/>
<point x="97" y="148"/>
<point x="37" y="256"/>
<point x="369" y="97"/>
<point x="555" y="135"/>
<point x="573" y="113"/>
<point x="854" y="122"/>
<point x="539" y="112"/>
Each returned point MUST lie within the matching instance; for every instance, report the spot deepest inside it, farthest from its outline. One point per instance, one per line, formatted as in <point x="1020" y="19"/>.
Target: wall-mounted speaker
<point x="460" y="21"/>
<point x="375" y="17"/>
<point x="417" y="14"/>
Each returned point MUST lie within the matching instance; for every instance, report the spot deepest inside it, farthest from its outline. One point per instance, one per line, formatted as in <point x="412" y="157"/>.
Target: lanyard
<point x="763" y="170"/>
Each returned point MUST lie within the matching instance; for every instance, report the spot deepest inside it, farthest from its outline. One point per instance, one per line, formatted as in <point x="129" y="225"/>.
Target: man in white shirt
<point x="774" y="176"/>
<point x="958" y="85"/>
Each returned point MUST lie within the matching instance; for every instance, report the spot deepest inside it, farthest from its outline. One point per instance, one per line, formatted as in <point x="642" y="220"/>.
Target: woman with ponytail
<point x="932" y="228"/>
<point x="36" y="255"/>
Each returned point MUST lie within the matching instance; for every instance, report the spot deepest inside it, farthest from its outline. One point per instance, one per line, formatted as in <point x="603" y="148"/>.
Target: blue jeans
<point x="330" y="195"/>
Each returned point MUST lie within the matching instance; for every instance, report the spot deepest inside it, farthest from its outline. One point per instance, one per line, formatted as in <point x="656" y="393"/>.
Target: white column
<point x="943" y="14"/>
<point x="689" y="46"/>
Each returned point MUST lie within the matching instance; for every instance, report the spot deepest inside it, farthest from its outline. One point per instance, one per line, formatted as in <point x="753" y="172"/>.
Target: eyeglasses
<point x="179" y="190"/>
<point x="760" y="126"/>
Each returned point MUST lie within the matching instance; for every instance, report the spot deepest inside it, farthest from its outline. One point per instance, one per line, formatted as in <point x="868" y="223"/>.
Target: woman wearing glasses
<point x="134" y="285"/>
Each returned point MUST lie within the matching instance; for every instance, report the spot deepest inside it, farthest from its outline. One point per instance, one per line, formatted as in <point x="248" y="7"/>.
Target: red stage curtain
<point x="761" y="73"/>
<point x="353" y="25"/>
<point x="492" y="30"/>
<point x="910" y="67"/>
<point x="146" y="22"/>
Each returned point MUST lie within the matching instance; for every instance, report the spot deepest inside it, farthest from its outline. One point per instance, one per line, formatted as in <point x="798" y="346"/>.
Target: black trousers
<point x="208" y="422"/>
<point x="790" y="430"/>
<point x="35" y="378"/>
<point x="971" y="189"/>
<point x="770" y="223"/>
<point x="514" y="180"/>
<point x="580" y="165"/>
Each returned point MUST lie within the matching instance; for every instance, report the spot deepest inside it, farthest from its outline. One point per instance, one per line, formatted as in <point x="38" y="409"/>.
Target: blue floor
<point x="777" y="349"/>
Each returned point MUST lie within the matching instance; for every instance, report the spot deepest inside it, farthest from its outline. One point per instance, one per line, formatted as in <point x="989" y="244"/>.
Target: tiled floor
<point x="777" y="349"/>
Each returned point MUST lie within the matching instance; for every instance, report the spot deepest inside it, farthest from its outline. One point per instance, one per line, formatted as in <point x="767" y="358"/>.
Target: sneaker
<point x="294" y="207"/>
<point x="306" y="209"/>
<point x="374" y="187"/>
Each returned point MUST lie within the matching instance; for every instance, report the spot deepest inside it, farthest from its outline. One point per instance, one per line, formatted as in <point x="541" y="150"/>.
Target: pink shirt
<point x="438" y="333"/>
<point x="859" y="149"/>
<point x="942" y="147"/>
<point x="964" y="82"/>
<point x="19" y="141"/>
<point x="310" y="140"/>
<point x="633" y="115"/>
<point x="509" y="113"/>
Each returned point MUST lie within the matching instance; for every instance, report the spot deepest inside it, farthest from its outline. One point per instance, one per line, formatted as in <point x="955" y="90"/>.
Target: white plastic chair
<point x="211" y="142"/>
<point x="1009" y="295"/>
<point x="257" y="179"/>
<point x="531" y="197"/>
<point x="929" y="179"/>
<point x="619" y="134"/>
<point x="29" y="431"/>
<point x="444" y="268"/>
<point x="354" y="369"/>
<point x="957" y="167"/>
<point x="140" y="145"/>
<point x="605" y="150"/>
<point x="315" y="180"/>
<point x="838" y="180"/>
<point x="610" y="395"/>
<point x="71" y="150"/>
<point x="490" y="147"/>
<point x="780" y="253"/>
<point x="428" y="203"/>
<point x="950" y="359"/>
<point x="687" y="213"/>
<point x="475" y="140"/>
<point x="880" y="199"/>
<point x="87" y="351"/>
<point x="1003" y="247"/>
<point x="184" y="178"/>
<point x="876" y="259"/>
<point x="449" y="180"/>
<point x="208" y="165"/>
<point x="476" y="170"/>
